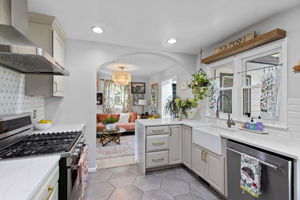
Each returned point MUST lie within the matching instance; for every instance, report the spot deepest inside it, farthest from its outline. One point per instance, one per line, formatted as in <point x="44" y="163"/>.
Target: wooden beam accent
<point x="263" y="39"/>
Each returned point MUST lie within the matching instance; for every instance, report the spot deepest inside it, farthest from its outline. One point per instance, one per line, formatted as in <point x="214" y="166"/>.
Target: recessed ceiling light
<point x="172" y="41"/>
<point x="97" y="29"/>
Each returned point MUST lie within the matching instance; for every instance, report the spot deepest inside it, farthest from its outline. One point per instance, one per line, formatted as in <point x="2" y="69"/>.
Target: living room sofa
<point x="130" y="126"/>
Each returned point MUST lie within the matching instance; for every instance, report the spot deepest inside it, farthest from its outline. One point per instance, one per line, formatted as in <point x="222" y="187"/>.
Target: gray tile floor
<point x="127" y="183"/>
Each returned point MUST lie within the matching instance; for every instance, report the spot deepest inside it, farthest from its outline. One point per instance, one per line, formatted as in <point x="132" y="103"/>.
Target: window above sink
<point x="255" y="82"/>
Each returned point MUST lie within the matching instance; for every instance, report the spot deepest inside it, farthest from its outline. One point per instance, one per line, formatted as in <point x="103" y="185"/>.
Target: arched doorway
<point x="146" y="68"/>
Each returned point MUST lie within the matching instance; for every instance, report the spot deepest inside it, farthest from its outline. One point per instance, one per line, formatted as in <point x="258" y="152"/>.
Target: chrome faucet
<point x="230" y="122"/>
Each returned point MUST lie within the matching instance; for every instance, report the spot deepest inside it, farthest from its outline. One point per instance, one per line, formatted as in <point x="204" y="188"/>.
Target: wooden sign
<point x="236" y="42"/>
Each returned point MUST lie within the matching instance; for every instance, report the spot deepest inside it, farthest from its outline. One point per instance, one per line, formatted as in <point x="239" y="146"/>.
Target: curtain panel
<point x="116" y="98"/>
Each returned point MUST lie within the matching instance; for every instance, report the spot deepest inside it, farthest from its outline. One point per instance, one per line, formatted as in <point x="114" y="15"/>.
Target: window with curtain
<point x="261" y="81"/>
<point x="255" y="82"/>
<point x="116" y="98"/>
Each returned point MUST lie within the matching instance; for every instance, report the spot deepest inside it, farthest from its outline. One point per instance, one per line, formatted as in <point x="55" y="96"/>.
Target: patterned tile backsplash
<point x="12" y="95"/>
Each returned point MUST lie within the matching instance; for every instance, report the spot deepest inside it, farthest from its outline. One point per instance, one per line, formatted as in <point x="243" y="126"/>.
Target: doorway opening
<point x="168" y="91"/>
<point x="124" y="104"/>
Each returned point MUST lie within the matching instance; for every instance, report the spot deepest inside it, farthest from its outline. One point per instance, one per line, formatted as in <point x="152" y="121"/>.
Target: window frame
<point x="238" y="62"/>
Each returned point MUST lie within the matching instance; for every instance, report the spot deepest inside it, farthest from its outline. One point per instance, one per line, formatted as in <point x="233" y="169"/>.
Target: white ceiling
<point x="148" y="24"/>
<point x="140" y="65"/>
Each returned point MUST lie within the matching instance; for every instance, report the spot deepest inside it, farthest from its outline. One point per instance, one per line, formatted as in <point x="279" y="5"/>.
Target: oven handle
<point x="262" y="162"/>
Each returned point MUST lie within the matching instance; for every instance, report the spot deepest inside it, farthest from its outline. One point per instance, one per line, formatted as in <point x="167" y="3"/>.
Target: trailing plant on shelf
<point x="185" y="105"/>
<point x="199" y="85"/>
<point x="171" y="107"/>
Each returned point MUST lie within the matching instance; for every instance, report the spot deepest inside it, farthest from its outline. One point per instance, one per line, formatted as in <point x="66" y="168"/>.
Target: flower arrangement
<point x="184" y="105"/>
<point x="199" y="85"/>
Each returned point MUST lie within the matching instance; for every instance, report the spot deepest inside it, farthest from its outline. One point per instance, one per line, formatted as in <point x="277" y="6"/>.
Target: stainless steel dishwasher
<point x="276" y="173"/>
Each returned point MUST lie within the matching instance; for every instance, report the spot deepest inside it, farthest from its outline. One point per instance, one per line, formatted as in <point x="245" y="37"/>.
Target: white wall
<point x="79" y="104"/>
<point x="174" y="70"/>
<point x="289" y="21"/>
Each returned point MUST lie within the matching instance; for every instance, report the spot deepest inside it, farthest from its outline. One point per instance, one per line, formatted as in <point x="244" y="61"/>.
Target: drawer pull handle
<point x="158" y="143"/>
<point x="50" y="191"/>
<point x="158" y="160"/>
<point x="205" y="157"/>
<point x="158" y="131"/>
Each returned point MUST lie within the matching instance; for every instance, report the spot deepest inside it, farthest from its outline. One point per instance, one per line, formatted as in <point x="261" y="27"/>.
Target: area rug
<point x="113" y="150"/>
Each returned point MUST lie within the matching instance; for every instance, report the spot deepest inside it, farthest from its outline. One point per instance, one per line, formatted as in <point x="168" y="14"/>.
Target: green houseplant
<point x="199" y="85"/>
<point x="171" y="107"/>
<point x="110" y="123"/>
<point x="185" y="105"/>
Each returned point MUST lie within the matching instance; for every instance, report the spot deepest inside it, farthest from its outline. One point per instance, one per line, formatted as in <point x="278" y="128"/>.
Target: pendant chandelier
<point x="121" y="77"/>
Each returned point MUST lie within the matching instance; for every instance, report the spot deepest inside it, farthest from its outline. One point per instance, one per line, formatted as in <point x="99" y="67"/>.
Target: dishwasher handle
<point x="262" y="162"/>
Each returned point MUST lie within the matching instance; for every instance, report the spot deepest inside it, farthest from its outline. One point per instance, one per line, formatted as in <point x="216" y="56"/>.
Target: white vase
<point x="110" y="126"/>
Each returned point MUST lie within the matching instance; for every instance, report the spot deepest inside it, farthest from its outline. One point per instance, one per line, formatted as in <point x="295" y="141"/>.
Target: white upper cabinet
<point x="175" y="145"/>
<point x="46" y="32"/>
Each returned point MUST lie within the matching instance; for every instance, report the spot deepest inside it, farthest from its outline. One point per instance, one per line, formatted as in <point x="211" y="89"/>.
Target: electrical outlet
<point x="34" y="114"/>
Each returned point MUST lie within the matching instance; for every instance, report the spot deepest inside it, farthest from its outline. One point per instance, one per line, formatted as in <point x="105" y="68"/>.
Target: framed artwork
<point x="99" y="98"/>
<point x="138" y="87"/>
<point x="154" y="96"/>
<point x="136" y="98"/>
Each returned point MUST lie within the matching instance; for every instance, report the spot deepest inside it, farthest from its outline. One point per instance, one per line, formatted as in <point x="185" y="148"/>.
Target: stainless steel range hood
<point x="17" y="52"/>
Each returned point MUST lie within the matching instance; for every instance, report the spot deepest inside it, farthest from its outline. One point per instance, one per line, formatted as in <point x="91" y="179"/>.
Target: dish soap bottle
<point x="259" y="124"/>
<point x="252" y="124"/>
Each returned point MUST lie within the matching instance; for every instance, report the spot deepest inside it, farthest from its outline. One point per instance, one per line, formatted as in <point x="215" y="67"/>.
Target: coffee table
<point x="108" y="136"/>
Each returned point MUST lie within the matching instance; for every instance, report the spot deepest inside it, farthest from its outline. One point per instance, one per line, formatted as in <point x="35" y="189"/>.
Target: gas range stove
<point x="17" y="140"/>
<point x="42" y="143"/>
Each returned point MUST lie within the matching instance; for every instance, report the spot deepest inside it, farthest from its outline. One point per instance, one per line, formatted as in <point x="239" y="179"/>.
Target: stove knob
<point x="76" y="152"/>
<point x="79" y="145"/>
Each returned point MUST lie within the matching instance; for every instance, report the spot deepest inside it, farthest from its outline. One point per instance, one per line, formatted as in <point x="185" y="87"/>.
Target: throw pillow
<point x="124" y="118"/>
<point x="133" y="117"/>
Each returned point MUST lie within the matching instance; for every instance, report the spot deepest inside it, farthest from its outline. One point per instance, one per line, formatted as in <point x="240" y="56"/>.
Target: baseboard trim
<point x="92" y="169"/>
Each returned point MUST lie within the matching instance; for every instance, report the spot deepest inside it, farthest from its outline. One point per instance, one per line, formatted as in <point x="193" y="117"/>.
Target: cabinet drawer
<point x="156" y="159"/>
<point x="158" y="130"/>
<point x="157" y="142"/>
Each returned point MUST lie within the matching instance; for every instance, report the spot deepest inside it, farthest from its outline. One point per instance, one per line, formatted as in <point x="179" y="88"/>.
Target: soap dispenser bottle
<point x="259" y="124"/>
<point x="252" y="124"/>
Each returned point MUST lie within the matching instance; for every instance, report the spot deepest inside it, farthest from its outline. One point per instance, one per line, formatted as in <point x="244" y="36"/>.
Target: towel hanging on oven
<point x="250" y="175"/>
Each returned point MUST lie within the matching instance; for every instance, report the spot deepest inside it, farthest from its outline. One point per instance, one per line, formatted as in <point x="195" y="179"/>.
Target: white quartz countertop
<point x="162" y="122"/>
<point x="62" y="128"/>
<point x="21" y="178"/>
<point x="287" y="146"/>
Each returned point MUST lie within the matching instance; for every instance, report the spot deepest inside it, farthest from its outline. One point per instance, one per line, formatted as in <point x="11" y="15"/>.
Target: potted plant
<point x="199" y="85"/>
<point x="171" y="107"/>
<point x="185" y="105"/>
<point x="110" y="123"/>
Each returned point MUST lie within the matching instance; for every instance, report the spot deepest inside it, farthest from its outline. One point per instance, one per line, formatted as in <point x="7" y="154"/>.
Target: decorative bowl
<point x="110" y="126"/>
<point x="42" y="126"/>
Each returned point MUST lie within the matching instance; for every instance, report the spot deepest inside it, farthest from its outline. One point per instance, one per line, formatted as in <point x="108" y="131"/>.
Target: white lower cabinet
<point x="216" y="171"/>
<point x="49" y="190"/>
<point x="187" y="146"/>
<point x="209" y="166"/>
<point x="175" y="150"/>
<point x="163" y="146"/>
<point x="198" y="163"/>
